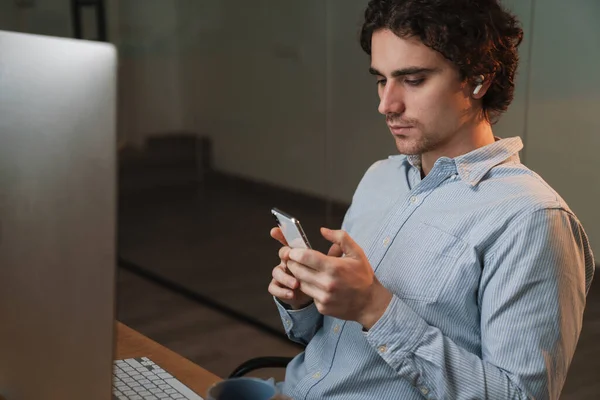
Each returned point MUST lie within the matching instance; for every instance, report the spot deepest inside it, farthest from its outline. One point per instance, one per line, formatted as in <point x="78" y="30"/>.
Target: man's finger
<point x="310" y="290"/>
<point x="283" y="278"/>
<point x="278" y="291"/>
<point x="278" y="235"/>
<point x="284" y="253"/>
<point x="310" y="258"/>
<point x="335" y="251"/>
<point x="343" y="240"/>
<point x="303" y="273"/>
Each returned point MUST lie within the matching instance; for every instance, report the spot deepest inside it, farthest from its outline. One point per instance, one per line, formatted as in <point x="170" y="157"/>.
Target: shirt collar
<point x="473" y="166"/>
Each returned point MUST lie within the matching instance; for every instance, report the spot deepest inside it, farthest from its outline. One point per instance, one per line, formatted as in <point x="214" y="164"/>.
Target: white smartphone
<point x="291" y="229"/>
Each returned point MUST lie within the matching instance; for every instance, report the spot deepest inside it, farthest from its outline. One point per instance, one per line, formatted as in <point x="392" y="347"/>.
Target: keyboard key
<point x="133" y="363"/>
<point x="140" y="378"/>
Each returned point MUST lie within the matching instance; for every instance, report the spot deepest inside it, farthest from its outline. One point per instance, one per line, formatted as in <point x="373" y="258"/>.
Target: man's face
<point x="425" y="103"/>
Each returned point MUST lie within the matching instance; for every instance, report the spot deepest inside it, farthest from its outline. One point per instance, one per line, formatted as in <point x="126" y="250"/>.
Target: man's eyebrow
<point x="405" y="71"/>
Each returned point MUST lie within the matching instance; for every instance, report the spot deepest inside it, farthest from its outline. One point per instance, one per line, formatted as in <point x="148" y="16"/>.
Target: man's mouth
<point x="400" y="129"/>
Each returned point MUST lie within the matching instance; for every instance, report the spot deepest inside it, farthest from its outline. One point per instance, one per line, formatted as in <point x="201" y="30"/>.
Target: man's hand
<point x="342" y="287"/>
<point x="284" y="285"/>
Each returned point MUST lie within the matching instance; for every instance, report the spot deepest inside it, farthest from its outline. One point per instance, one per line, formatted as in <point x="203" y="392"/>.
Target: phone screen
<point x="291" y="229"/>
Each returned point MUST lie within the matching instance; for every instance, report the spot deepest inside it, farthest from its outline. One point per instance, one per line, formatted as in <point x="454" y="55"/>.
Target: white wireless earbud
<point x="479" y="85"/>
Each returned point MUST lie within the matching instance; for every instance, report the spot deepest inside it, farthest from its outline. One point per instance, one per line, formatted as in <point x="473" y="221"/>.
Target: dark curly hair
<point x="479" y="36"/>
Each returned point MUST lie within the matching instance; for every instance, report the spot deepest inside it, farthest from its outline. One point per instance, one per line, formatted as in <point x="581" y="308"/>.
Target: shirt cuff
<point x="301" y="321"/>
<point x="396" y="333"/>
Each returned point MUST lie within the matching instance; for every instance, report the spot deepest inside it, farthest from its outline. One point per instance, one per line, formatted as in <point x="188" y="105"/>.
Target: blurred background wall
<point x="284" y="83"/>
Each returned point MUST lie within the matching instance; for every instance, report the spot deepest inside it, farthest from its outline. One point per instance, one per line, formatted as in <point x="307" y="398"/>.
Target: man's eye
<point x="414" y="82"/>
<point x="381" y="82"/>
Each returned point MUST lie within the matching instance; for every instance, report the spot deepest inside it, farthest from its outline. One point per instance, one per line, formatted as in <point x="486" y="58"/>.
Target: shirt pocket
<point x="419" y="263"/>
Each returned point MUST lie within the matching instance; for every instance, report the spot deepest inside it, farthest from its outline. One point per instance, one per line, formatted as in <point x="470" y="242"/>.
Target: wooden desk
<point x="132" y="344"/>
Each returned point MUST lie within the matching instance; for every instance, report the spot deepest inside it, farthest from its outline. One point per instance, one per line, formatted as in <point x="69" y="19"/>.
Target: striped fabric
<point x="489" y="269"/>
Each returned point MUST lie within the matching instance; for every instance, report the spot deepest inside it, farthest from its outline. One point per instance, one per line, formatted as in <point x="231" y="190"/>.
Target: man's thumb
<point x="342" y="239"/>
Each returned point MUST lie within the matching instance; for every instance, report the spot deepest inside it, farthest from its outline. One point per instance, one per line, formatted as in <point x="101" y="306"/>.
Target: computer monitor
<point x="57" y="217"/>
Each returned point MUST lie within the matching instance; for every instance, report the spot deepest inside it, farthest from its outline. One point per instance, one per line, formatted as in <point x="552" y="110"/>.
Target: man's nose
<point x="391" y="100"/>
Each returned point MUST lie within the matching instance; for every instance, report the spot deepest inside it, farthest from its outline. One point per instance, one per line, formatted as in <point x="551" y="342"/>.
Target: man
<point x="458" y="272"/>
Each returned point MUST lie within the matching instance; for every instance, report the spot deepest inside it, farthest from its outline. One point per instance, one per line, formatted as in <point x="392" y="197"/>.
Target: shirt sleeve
<point x="300" y="325"/>
<point x="531" y="298"/>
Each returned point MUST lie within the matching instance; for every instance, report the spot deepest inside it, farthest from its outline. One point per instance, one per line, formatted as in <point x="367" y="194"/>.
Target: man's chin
<point x="407" y="146"/>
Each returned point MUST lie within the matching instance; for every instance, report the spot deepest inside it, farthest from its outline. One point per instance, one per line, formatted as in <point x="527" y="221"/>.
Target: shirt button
<point x="336" y="329"/>
<point x="386" y="241"/>
<point x="414" y="199"/>
<point x="382" y="348"/>
<point x="424" y="390"/>
<point x="317" y="375"/>
<point x="288" y="322"/>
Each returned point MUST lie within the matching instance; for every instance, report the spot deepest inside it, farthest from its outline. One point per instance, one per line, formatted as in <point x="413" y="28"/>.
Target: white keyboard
<point x="142" y="379"/>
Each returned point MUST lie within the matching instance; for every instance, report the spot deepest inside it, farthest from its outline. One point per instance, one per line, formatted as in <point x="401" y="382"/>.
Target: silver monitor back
<point x="57" y="217"/>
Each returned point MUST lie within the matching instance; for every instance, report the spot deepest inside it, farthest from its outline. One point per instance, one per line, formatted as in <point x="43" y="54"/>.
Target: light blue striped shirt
<point x="489" y="269"/>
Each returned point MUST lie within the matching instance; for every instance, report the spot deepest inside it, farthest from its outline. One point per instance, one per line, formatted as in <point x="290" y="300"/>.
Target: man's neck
<point x="464" y="142"/>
